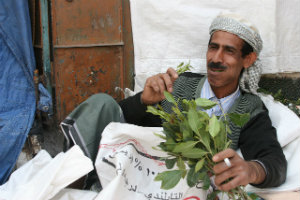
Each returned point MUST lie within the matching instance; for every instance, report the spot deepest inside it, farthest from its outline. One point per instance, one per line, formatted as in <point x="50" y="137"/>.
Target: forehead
<point x="224" y="38"/>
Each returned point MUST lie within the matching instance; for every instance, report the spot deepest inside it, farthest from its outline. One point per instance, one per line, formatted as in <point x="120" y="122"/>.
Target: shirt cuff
<point x="261" y="164"/>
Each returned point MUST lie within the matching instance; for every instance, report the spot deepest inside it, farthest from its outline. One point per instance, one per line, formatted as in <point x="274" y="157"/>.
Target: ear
<point x="249" y="59"/>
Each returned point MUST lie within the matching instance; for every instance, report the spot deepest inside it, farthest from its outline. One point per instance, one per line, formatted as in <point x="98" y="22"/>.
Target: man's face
<point x="224" y="61"/>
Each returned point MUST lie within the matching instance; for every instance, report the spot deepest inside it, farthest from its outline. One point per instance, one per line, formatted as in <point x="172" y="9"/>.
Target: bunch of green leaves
<point x="191" y="138"/>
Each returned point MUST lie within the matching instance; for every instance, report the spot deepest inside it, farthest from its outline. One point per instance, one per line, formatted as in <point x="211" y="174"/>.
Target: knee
<point x="106" y="106"/>
<point x="103" y="99"/>
<point x="100" y="96"/>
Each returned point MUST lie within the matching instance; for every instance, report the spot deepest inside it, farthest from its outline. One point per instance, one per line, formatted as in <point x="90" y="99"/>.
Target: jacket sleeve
<point x="135" y="112"/>
<point x="258" y="141"/>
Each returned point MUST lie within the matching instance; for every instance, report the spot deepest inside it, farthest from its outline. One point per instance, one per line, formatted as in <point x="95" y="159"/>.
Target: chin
<point x="214" y="82"/>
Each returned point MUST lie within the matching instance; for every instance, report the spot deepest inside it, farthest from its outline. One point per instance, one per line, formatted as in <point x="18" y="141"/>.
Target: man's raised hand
<point x="156" y="85"/>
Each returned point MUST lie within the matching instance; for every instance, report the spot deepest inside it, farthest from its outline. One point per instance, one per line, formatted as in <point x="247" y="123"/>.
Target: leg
<point x="85" y="124"/>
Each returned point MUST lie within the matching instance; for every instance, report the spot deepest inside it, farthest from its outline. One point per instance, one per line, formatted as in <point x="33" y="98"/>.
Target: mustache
<point x="216" y="66"/>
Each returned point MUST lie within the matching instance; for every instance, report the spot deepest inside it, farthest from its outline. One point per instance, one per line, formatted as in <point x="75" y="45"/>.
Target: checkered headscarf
<point x="236" y="25"/>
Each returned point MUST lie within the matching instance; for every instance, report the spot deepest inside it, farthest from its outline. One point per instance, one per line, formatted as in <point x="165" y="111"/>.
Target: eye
<point x="230" y="50"/>
<point x="212" y="46"/>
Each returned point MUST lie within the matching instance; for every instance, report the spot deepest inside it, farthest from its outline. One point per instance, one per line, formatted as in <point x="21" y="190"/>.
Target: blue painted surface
<point x="17" y="93"/>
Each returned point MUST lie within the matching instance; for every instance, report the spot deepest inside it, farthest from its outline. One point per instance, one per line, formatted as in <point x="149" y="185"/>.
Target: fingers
<point x="222" y="166"/>
<point x="159" y="83"/>
<point x="163" y="81"/>
<point x="156" y="85"/>
<point x="172" y="73"/>
<point x="168" y="79"/>
<point x="166" y="82"/>
<point x="231" y="177"/>
<point x="229" y="185"/>
<point x="228" y="153"/>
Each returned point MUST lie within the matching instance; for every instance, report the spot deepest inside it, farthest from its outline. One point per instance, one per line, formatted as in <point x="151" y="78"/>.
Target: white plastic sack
<point x="43" y="177"/>
<point x="73" y="194"/>
<point x="126" y="165"/>
<point x="286" y="122"/>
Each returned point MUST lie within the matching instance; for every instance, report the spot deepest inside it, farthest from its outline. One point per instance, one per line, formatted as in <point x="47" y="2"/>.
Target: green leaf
<point x="205" y="103"/>
<point x="185" y="104"/>
<point x="184" y="146"/>
<point x="239" y="119"/>
<point x="193" y="120"/>
<point x="170" y="163"/>
<point x="203" y="115"/>
<point x="214" y="126"/>
<point x="180" y="65"/>
<point x="160" y="136"/>
<point x="184" y="172"/>
<point x="192" y="177"/>
<point x="186" y="131"/>
<point x="163" y="147"/>
<point x="228" y="130"/>
<point x="170" y="97"/>
<point x="213" y="195"/>
<point x="199" y="165"/>
<point x="178" y="113"/>
<point x="194" y="153"/>
<point x="170" y="130"/>
<point x="153" y="110"/>
<point x="228" y="143"/>
<point x="180" y="68"/>
<point x="205" y="139"/>
<point x="180" y="164"/>
<point x="170" y="144"/>
<point x="191" y="162"/>
<point x="220" y="139"/>
<point x="160" y="113"/>
<point x="169" y="179"/>
<point x="206" y="182"/>
<point x="178" y="137"/>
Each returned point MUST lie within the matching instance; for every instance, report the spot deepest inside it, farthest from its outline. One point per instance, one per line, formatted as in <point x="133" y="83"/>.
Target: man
<point x="232" y="79"/>
<point x="231" y="59"/>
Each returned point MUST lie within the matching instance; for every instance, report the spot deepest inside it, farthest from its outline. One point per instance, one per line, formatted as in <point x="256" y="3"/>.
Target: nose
<point x="218" y="56"/>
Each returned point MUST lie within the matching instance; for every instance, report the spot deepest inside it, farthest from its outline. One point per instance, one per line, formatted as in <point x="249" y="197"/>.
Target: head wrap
<point x="235" y="24"/>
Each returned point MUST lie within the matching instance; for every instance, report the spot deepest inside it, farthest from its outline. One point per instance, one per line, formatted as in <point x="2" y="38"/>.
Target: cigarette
<point x="227" y="162"/>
